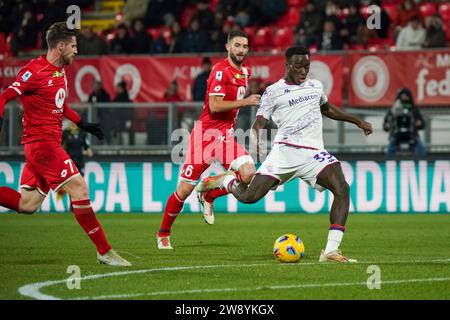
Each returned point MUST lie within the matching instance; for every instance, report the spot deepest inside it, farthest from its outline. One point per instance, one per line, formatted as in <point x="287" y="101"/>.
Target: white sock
<point x="334" y="240"/>
<point x="226" y="181"/>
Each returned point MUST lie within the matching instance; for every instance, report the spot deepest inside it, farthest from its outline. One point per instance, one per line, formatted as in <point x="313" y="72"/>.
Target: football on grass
<point x="288" y="248"/>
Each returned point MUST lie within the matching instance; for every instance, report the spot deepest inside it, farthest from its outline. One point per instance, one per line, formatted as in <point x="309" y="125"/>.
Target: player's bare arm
<point x="331" y="111"/>
<point x="217" y="104"/>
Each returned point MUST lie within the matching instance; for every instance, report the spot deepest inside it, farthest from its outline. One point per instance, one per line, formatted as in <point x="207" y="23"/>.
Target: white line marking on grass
<point x="293" y="286"/>
<point x="33" y="290"/>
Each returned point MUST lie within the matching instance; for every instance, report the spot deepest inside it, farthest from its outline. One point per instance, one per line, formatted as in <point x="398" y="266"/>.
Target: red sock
<point x="173" y="207"/>
<point x="9" y="198"/>
<point x="211" y="195"/>
<point x="88" y="221"/>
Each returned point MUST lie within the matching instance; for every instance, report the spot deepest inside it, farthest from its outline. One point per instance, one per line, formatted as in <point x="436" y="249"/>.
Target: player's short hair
<point x="236" y="33"/>
<point x="296" y="50"/>
<point x="58" y="32"/>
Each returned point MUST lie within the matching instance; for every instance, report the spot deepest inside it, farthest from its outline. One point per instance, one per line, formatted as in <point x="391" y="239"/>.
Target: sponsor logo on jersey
<point x="26" y="76"/>
<point x="217" y="88"/>
<point x="57" y="74"/>
<point x="50" y="82"/>
<point x="219" y="75"/>
<point x="309" y="97"/>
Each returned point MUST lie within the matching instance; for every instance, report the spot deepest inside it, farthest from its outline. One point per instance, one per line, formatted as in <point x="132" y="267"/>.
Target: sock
<point x="173" y="207"/>
<point x="335" y="234"/>
<point x="88" y="221"/>
<point x="211" y="195"/>
<point x="9" y="198"/>
<point x="229" y="180"/>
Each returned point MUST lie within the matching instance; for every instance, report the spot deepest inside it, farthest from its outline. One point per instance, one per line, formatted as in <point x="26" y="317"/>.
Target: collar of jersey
<point x="293" y="84"/>
<point x="43" y="57"/>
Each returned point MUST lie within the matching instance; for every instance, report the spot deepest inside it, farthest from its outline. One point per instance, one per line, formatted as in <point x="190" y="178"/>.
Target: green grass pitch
<point x="230" y="260"/>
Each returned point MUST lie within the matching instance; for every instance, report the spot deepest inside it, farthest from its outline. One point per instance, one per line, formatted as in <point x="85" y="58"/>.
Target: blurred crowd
<point x="196" y="26"/>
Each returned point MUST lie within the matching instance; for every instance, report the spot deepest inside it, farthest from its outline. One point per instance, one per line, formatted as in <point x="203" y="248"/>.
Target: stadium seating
<point x="112" y="5"/>
<point x="98" y="25"/>
<point x="364" y="10"/>
<point x="391" y="10"/>
<point x="251" y="31"/>
<point x="297" y="3"/>
<point x="293" y="16"/>
<point x="446" y="27"/>
<point x="427" y="9"/>
<point x="213" y="4"/>
<point x="186" y="15"/>
<point x="444" y="11"/>
<point x="283" y="38"/>
<point x="263" y="38"/>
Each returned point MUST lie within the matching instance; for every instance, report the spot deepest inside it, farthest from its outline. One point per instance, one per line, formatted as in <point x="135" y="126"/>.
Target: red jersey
<point x="224" y="80"/>
<point x="43" y="89"/>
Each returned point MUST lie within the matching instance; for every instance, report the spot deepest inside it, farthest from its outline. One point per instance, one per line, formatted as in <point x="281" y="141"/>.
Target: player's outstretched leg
<point x="82" y="209"/>
<point x="173" y="207"/>
<point x="244" y="174"/>
<point x="333" y="179"/>
<point x="251" y="193"/>
<point x="27" y="202"/>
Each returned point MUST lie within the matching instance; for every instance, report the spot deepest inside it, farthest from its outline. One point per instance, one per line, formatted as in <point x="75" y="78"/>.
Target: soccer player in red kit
<point x="42" y="87"/>
<point x="212" y="138"/>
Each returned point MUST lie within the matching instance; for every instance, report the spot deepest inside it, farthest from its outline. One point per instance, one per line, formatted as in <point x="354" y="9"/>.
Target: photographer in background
<point x="403" y="121"/>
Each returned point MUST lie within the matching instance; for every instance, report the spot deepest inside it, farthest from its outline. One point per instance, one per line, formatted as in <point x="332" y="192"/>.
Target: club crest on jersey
<point x="26" y="76"/>
<point x="57" y="74"/>
<point x="60" y="97"/>
<point x="239" y="76"/>
<point x="219" y="75"/>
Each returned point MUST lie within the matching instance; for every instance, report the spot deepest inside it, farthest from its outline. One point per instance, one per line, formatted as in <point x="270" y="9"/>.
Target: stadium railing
<point x="155" y="128"/>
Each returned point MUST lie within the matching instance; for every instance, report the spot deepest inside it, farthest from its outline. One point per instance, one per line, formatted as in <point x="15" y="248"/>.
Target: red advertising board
<point x="148" y="77"/>
<point x="375" y="79"/>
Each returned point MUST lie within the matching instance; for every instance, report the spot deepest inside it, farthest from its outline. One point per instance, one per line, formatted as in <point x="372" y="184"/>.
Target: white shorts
<point x="285" y="163"/>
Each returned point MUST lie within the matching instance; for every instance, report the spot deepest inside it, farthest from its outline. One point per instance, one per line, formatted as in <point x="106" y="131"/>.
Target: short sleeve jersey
<point x="43" y="89"/>
<point x="224" y="80"/>
<point x="295" y="109"/>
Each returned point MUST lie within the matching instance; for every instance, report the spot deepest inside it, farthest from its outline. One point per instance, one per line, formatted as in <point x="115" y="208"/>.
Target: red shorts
<point x="47" y="166"/>
<point x="204" y="150"/>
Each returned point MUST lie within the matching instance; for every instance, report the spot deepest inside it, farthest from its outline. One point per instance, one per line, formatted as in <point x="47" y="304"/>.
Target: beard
<point x="67" y="59"/>
<point x="236" y="59"/>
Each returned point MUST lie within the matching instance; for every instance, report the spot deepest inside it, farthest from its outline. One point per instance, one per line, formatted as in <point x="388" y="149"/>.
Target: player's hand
<point x="366" y="127"/>
<point x="253" y="100"/>
<point x="92" y="128"/>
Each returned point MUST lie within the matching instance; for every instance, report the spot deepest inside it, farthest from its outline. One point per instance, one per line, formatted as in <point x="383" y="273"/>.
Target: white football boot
<point x="112" y="258"/>
<point x="163" y="243"/>
<point x="335" y="256"/>
<point x="215" y="182"/>
<point x="207" y="209"/>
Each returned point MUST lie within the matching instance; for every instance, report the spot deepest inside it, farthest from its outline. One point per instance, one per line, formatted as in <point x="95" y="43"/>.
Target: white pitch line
<point x="293" y="286"/>
<point x="33" y="290"/>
